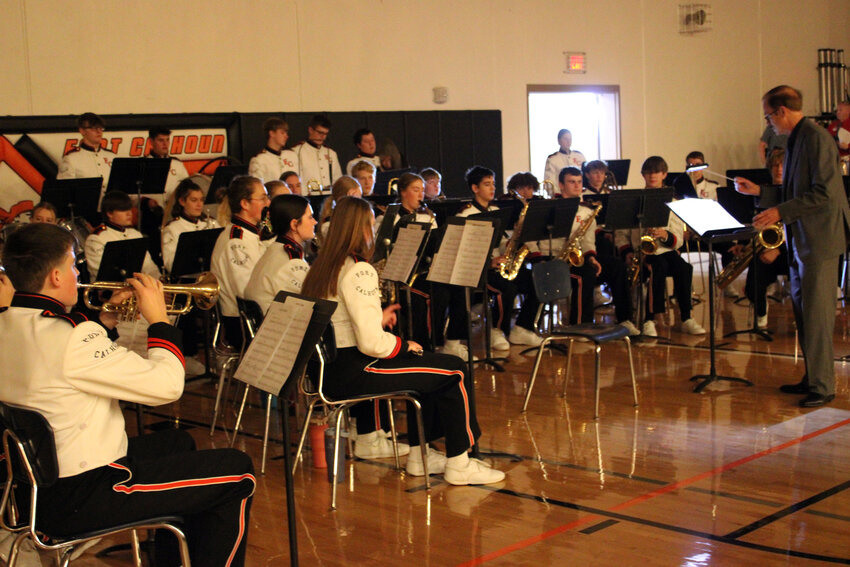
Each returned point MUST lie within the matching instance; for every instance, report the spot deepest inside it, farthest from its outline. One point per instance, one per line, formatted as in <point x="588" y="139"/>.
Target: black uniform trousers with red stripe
<point x="506" y="292"/>
<point x="440" y="380"/>
<point x="162" y="475"/>
<point x="583" y="279"/>
<point x="669" y="264"/>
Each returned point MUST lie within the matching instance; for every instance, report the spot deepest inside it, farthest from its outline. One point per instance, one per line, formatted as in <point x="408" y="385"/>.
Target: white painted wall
<point x="678" y="93"/>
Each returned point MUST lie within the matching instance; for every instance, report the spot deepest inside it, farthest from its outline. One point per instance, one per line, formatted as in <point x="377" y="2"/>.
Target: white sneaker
<point x="762" y="321"/>
<point x="600" y="297"/>
<point x="475" y="472"/>
<point x="456" y="348"/>
<point x="522" y="336"/>
<point x="436" y="463"/>
<point x="649" y="329"/>
<point x="630" y="327"/>
<point x="375" y="445"/>
<point x="194" y="367"/>
<point x="691" y="327"/>
<point x="731" y="291"/>
<point x="498" y="340"/>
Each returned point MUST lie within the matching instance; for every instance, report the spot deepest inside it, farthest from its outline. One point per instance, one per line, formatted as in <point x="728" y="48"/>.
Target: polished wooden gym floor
<point x="736" y="475"/>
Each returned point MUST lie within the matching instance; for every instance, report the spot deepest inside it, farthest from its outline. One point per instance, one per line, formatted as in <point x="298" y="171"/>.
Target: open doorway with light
<point x="590" y="112"/>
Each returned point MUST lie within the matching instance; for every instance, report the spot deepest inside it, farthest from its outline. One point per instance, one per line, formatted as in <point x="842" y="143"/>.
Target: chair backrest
<point x="325" y="354"/>
<point x="551" y="280"/>
<point x="36" y="437"/>
<point x="251" y="316"/>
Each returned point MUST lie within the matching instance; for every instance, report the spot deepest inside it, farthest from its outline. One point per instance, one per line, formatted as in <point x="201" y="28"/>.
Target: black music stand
<point x="380" y="201"/>
<point x="121" y="259"/>
<point x="505" y="216"/>
<point x="711" y="226"/>
<point x="321" y="315"/>
<point x="385" y="233"/>
<point x="683" y="184"/>
<point x="445" y="208"/>
<point x="142" y="176"/>
<point x="420" y="254"/>
<point x="619" y="168"/>
<point x="194" y="251"/>
<point x="386" y="182"/>
<point x="74" y="197"/>
<point x="222" y="177"/>
<point x="639" y="209"/>
<point x="193" y="255"/>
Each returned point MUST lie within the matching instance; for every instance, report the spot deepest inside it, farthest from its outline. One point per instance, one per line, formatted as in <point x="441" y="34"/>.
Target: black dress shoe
<point x="816" y="400"/>
<point x="801" y="387"/>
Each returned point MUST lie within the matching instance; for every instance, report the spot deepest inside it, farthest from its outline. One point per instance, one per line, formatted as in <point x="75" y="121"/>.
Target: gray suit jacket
<point x="811" y="200"/>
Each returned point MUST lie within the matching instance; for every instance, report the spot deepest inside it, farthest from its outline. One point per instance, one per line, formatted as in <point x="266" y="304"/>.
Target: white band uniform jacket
<point x="237" y="250"/>
<point x="177" y="226"/>
<point x="67" y="369"/>
<point x="317" y="163"/>
<point x="108" y="232"/>
<point x="282" y="268"/>
<point x="358" y="317"/>
<point x="269" y="164"/>
<point x="84" y="161"/>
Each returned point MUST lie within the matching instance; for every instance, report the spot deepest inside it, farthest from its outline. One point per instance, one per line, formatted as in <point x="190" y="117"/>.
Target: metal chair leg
<point x="135" y="548"/>
<point x="239" y="415"/>
<point x="225" y="367"/>
<point x="304" y="430"/>
<point x="632" y="368"/>
<point x="539" y="356"/>
<point x="569" y="367"/>
<point x="335" y="459"/>
<point x="266" y="431"/>
<point x="596" y="373"/>
<point x="423" y="446"/>
<point x="393" y="434"/>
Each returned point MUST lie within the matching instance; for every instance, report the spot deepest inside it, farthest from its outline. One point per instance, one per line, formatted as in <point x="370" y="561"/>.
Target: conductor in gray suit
<point x="813" y="207"/>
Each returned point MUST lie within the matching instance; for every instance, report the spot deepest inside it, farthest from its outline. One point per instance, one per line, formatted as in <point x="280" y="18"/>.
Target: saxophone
<point x="767" y="239"/>
<point x="571" y="252"/>
<point x="514" y="257"/>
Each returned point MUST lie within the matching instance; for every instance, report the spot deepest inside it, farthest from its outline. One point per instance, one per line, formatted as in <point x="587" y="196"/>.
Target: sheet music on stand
<point x="271" y="356"/>
<point x="464" y="252"/>
<point x="405" y="253"/>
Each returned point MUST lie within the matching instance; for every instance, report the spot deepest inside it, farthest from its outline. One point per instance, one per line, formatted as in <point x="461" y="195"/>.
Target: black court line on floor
<point x="787" y="511"/>
<point x="667" y="527"/>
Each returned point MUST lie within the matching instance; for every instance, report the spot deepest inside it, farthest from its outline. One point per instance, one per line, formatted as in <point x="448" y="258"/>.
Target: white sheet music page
<point x="444" y="260"/>
<point x="704" y="215"/>
<point x="271" y="356"/>
<point x="404" y="253"/>
<point x="472" y="253"/>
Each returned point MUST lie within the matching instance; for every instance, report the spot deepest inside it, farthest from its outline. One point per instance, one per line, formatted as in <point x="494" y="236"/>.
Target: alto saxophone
<point x="571" y="252"/>
<point x="514" y="257"/>
<point x="767" y="239"/>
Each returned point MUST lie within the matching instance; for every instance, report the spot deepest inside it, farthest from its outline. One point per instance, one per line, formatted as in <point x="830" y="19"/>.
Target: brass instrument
<point x="648" y="244"/>
<point x="387" y="288"/>
<point x="514" y="257"/>
<point x="314" y="187"/>
<point x="204" y="292"/>
<point x="571" y="252"/>
<point x="390" y="185"/>
<point x="768" y="238"/>
<point x="548" y="188"/>
<point x="633" y="270"/>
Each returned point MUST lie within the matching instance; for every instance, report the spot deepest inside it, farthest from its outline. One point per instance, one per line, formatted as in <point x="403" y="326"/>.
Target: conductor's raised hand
<point x="389" y="318"/>
<point x="149" y="298"/>
<point x="746" y="187"/>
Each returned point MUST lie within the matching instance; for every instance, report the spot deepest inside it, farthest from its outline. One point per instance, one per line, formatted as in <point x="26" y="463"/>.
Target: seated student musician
<point x="769" y="264"/>
<point x="482" y="183"/>
<point x="432" y="178"/>
<point x="597" y="267"/>
<point x="187" y="214"/>
<point x="663" y="261"/>
<point x="117" y="208"/>
<point x="277" y="187"/>
<point x="364" y="172"/>
<point x="66" y="367"/>
<point x="598" y="178"/>
<point x="43" y="212"/>
<point x="345" y="186"/>
<point x="373" y="361"/>
<point x="274" y="158"/>
<point x="282" y="266"/>
<point x="238" y="249"/>
<point x="364" y="139"/>
<point x="292" y="181"/>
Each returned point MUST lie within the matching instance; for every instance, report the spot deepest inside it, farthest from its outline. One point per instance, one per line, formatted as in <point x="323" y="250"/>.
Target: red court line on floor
<point x="649" y="495"/>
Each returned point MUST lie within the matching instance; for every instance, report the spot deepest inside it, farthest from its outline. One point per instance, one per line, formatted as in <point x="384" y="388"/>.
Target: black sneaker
<point x="816" y="400"/>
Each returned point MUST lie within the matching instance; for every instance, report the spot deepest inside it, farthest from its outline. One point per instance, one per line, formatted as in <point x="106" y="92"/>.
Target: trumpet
<point x="204" y="292"/>
<point x="648" y="244"/>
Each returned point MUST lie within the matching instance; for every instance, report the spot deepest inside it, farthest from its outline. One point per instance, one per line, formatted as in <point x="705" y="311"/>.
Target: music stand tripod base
<point x="711" y="378"/>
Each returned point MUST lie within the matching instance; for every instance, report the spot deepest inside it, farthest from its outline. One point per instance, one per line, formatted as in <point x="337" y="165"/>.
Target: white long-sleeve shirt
<point x="237" y="250"/>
